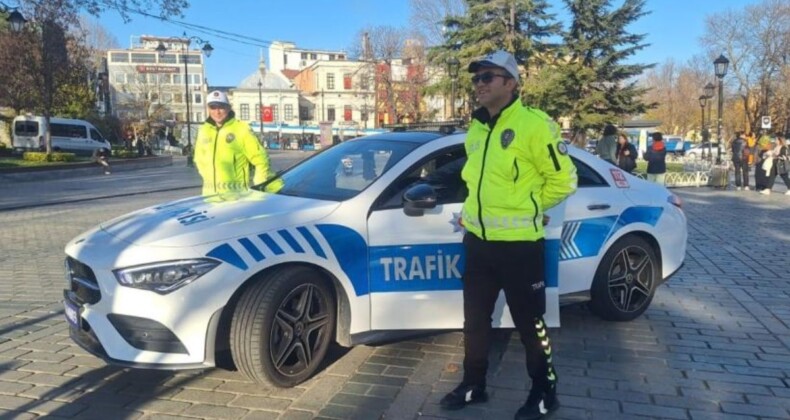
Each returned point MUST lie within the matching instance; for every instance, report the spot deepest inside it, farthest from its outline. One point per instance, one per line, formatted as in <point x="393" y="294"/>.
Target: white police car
<point x="351" y="247"/>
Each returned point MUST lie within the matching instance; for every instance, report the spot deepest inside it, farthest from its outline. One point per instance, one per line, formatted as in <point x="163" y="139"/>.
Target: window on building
<point x="331" y="57"/>
<point x="341" y="57"/>
<point x="304" y="56"/>
<point x="167" y="98"/>
<point x="363" y="113"/>
<point x="199" y="116"/>
<point x="304" y="113"/>
<point x="330" y="113"/>
<point x="244" y="112"/>
<point x="347" y="81"/>
<point x="154" y="97"/>
<point x="119" y="77"/>
<point x="177" y="79"/>
<point x="330" y="80"/>
<point x="198" y="98"/>
<point x="347" y="113"/>
<point x="168" y="59"/>
<point x="141" y="78"/>
<point x="178" y="98"/>
<point x="275" y="113"/>
<point x="119" y="57"/>
<point x="285" y="60"/>
<point x="143" y="58"/>
<point x="288" y="111"/>
<point x="313" y="56"/>
<point x="191" y="58"/>
<point x="195" y="79"/>
<point x="364" y="82"/>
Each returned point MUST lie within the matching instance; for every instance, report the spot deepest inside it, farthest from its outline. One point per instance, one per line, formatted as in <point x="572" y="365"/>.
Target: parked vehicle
<point x="317" y="255"/>
<point x="698" y="150"/>
<point x="676" y="145"/>
<point x="68" y="135"/>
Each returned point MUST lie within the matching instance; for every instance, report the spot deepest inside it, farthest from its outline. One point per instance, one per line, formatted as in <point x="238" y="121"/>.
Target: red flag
<point x="266" y="114"/>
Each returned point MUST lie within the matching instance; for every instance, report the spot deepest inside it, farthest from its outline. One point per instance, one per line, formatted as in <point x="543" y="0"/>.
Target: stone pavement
<point x="714" y="344"/>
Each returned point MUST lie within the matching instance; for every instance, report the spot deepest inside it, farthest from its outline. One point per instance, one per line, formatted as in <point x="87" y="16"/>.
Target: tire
<point x="282" y="327"/>
<point x="625" y="281"/>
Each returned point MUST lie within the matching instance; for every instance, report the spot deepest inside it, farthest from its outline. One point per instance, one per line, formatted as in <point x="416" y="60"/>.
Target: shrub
<point x="53" y="157"/>
<point x="123" y="153"/>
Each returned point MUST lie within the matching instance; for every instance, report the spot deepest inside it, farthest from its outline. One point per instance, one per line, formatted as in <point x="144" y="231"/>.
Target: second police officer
<point x="517" y="167"/>
<point x="225" y="149"/>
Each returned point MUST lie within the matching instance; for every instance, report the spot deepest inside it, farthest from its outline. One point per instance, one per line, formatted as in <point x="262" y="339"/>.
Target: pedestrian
<point x="517" y="168"/>
<point x="656" y="156"/>
<point x="102" y="157"/>
<point x="626" y="154"/>
<point x="781" y="163"/>
<point x="763" y="166"/>
<point x="607" y="146"/>
<point x="740" y="160"/>
<point x="225" y="148"/>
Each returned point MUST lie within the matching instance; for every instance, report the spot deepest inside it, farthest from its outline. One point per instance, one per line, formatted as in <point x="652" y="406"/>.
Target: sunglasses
<point x="487" y="77"/>
<point x="212" y="106"/>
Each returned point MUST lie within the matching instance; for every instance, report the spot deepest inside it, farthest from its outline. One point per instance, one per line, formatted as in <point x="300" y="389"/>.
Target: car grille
<point x="82" y="281"/>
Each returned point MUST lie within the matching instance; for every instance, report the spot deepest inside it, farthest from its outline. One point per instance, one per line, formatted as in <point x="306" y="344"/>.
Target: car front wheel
<point x="282" y="327"/>
<point x="625" y="281"/>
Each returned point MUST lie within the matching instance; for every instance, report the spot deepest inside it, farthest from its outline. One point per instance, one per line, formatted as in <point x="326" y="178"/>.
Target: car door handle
<point x="598" y="207"/>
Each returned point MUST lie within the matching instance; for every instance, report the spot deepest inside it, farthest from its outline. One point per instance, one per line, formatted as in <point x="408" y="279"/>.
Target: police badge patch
<point x="506" y="138"/>
<point x="230" y="137"/>
<point x="562" y="147"/>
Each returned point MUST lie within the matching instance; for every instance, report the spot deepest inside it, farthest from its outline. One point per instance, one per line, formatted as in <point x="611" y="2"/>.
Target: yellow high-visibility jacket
<point x="223" y="156"/>
<point x="517" y="167"/>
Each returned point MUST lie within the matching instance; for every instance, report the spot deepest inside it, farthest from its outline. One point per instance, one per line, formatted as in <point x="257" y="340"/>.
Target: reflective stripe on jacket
<point x="517" y="167"/>
<point x="223" y="156"/>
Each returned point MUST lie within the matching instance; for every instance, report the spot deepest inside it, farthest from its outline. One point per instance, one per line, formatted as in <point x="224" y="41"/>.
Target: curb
<point x="43" y="173"/>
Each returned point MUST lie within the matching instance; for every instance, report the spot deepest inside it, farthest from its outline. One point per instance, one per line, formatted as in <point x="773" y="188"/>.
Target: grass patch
<point x="18" y="162"/>
<point x="671" y="167"/>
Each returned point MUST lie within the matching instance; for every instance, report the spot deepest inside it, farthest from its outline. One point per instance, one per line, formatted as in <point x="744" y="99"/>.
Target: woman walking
<point x="626" y="154"/>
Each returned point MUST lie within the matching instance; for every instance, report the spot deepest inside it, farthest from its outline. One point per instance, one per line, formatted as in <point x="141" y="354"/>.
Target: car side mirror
<point x="417" y="199"/>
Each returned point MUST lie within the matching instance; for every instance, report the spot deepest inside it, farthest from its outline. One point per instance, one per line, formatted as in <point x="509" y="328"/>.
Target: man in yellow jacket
<point x="517" y="167"/>
<point x="225" y="148"/>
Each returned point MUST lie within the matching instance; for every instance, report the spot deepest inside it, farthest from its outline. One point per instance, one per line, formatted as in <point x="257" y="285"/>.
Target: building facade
<point x="284" y="55"/>
<point x="268" y="90"/>
<point x="147" y="86"/>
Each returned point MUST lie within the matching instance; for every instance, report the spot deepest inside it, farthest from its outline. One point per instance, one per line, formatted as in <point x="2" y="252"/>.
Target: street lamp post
<point x="207" y="49"/>
<point x="702" y="100"/>
<point x="709" y="91"/>
<point x="720" y="68"/>
<point x="452" y="69"/>
<point x="15" y="19"/>
<point x="260" y="109"/>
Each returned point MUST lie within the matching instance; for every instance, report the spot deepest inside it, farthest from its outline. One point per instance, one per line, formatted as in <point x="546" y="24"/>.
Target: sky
<point x="673" y="27"/>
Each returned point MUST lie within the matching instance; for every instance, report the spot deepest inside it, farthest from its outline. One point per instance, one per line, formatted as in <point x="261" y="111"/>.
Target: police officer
<point x="225" y="149"/>
<point x="517" y="167"/>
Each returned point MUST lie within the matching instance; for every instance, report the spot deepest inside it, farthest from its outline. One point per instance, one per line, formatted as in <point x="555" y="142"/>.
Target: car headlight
<point x="164" y="277"/>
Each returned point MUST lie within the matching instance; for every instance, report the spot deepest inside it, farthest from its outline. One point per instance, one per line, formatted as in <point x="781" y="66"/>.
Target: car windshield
<point x="342" y="171"/>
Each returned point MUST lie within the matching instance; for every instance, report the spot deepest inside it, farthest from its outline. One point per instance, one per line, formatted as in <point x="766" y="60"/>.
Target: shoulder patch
<point x="506" y="138"/>
<point x="230" y="137"/>
<point x="562" y="147"/>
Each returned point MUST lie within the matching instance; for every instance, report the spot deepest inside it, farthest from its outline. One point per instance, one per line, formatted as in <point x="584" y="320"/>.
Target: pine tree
<point x="594" y="84"/>
<point x="518" y="26"/>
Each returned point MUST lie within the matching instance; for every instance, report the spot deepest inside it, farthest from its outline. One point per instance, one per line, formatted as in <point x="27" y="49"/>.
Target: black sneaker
<point x="540" y="403"/>
<point x="463" y="395"/>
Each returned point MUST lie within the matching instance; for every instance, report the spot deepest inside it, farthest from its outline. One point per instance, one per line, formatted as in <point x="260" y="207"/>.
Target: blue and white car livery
<point x="350" y="245"/>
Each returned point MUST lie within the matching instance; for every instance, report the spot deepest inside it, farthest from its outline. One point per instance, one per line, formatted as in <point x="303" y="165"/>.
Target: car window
<point x="26" y="128"/>
<point x="588" y="177"/>
<point x="68" y="130"/>
<point x="441" y="170"/>
<point x="342" y="171"/>
<point x="95" y="135"/>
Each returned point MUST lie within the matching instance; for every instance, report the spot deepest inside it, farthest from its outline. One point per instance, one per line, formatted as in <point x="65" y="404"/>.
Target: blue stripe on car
<point x="291" y="241"/>
<point x="252" y="249"/>
<point x="271" y="244"/>
<point x="226" y="253"/>
<point x="351" y="252"/>
<point x="585" y="238"/>
<point x="311" y="240"/>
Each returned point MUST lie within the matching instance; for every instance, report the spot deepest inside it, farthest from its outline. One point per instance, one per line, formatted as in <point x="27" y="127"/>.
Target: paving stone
<point x="215" y="411"/>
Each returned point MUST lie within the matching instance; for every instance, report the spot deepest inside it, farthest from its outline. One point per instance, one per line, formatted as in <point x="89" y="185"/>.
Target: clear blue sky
<point x="673" y="27"/>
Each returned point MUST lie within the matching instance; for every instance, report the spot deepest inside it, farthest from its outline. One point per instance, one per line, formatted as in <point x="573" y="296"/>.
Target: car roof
<point x="408" y="136"/>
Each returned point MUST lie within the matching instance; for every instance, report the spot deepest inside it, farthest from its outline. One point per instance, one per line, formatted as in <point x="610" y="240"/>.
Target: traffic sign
<point x="766" y="120"/>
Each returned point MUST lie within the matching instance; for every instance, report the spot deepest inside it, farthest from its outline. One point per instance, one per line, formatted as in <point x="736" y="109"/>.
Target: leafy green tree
<point x="522" y="27"/>
<point x="594" y="85"/>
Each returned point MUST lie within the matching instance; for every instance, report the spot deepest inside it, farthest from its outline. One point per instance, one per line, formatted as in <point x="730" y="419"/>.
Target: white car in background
<point x="326" y="253"/>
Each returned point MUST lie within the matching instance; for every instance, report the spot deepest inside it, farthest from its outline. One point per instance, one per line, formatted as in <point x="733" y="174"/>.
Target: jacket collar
<point x="231" y="116"/>
<point x="482" y="115"/>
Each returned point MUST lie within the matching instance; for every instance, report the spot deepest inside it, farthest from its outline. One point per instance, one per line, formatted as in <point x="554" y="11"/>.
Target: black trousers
<point x="741" y="168"/>
<point x="517" y="268"/>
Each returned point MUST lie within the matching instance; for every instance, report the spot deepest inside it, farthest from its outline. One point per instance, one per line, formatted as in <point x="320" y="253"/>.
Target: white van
<point x="68" y="135"/>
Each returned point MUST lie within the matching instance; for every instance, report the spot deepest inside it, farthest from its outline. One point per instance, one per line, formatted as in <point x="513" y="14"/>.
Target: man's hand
<point x="546" y="220"/>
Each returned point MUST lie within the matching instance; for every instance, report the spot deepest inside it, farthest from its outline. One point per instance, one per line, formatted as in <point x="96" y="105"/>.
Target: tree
<point x="52" y="20"/>
<point x="521" y="27"/>
<point x="595" y="86"/>
<point x="756" y="40"/>
<point x="427" y="18"/>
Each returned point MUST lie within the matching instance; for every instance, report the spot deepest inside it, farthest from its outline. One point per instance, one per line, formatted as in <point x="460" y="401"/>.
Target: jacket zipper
<point x="480" y="185"/>
<point x="515" y="164"/>
<point x="534" y="204"/>
<point x="214" y="160"/>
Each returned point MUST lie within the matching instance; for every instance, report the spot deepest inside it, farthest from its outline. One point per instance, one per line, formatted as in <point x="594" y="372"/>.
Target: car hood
<point x="199" y="220"/>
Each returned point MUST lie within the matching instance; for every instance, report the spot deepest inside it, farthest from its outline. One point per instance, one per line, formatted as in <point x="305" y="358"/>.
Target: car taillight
<point x="675" y="201"/>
